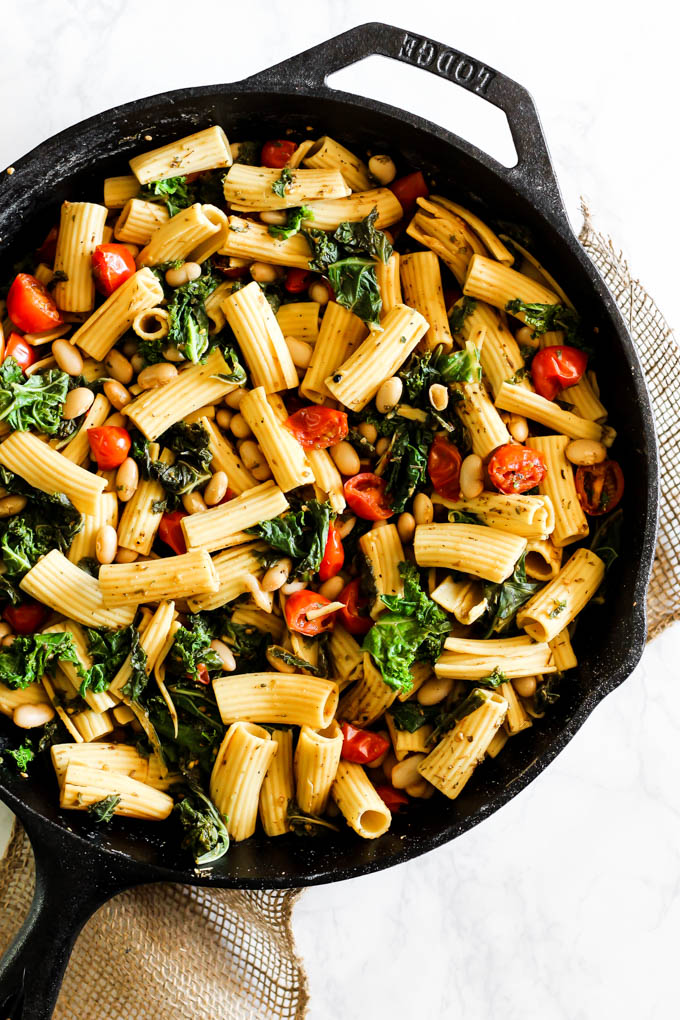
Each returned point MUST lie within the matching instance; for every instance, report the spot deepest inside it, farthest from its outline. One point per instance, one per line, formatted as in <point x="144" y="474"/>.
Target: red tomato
<point x="443" y="466"/>
<point x="516" y="469"/>
<point x="367" y="497"/>
<point x="333" y="557"/>
<point x="408" y="189"/>
<point x="354" y="615"/>
<point x="112" y="264"/>
<point x="297" y="280"/>
<point x="362" y="746"/>
<point x="170" y="531"/>
<point x="599" y="487"/>
<point x="22" y="352"/>
<point x="29" y="305"/>
<point x="48" y="249"/>
<point x="555" y="368"/>
<point x="317" y="428"/>
<point x="296" y="609"/>
<point x="203" y="676"/>
<point x="392" y="799"/>
<point x="110" y="445"/>
<point x="26" y="618"/>
<point x="276" y="153"/>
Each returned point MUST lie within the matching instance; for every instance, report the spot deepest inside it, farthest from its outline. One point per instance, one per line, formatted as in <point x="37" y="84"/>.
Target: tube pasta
<point x="543" y="559"/>
<point x="491" y="241"/>
<point x="563" y="654"/>
<point x="111" y="320"/>
<point x="92" y="725"/>
<point x="451" y="764"/>
<point x="499" y="354"/>
<point x="220" y="526"/>
<point x="513" y="662"/>
<point x="498" y="742"/>
<point x="326" y="152"/>
<point x="259" y="335"/>
<point x="138" y="221"/>
<point x="153" y="639"/>
<point x="300" y="319"/>
<point x="553" y="608"/>
<point x="255" y="619"/>
<point x="480" y="417"/>
<point x="404" y="743"/>
<point x="472" y="548"/>
<point x="225" y="458"/>
<point x="83" y="786"/>
<point x="279" y="698"/>
<point x="249" y="188"/>
<point x="461" y="598"/>
<point x="329" y="214"/>
<point x="583" y="398"/>
<point x="346" y="656"/>
<point x="368" y="699"/>
<point x="119" y="758"/>
<point x="98" y="702"/>
<point x="152" y="324"/>
<point x="445" y="234"/>
<point x="278" y="788"/>
<point x="385" y="350"/>
<point x="285" y="456"/>
<point x="363" y="808"/>
<point x="340" y="334"/>
<point x="47" y="470"/>
<point x="139" y="521"/>
<point x="539" y="271"/>
<point x="498" y="285"/>
<point x="58" y="583"/>
<point x="251" y="240"/>
<point x="186" y="235"/>
<point x="548" y="413"/>
<point x="34" y="694"/>
<point x="129" y="584"/>
<point x="383" y="551"/>
<point x="231" y="567"/>
<point x="389" y="282"/>
<point x="327" y="479"/>
<point x="238" y="774"/>
<point x="213" y="306"/>
<point x="81" y="229"/>
<point x="77" y="449"/>
<point x="517" y="718"/>
<point x="528" y="516"/>
<point x="421" y="282"/>
<point x="570" y="521"/>
<point x="119" y="190"/>
<point x="317" y="757"/>
<point x="83" y="545"/>
<point x="204" y="150"/>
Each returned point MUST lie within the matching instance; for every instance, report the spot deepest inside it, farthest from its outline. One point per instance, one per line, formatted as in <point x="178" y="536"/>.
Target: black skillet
<point x="78" y="866"/>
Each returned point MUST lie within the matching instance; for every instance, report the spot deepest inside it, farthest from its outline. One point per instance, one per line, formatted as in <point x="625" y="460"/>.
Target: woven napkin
<point x="230" y="955"/>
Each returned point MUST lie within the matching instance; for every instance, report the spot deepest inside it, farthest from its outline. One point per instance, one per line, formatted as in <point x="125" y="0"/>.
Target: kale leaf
<point x="189" y="321"/>
<point x="22" y="755"/>
<point x="293" y="224"/>
<point x="34" y="401"/>
<point x="436" y="366"/>
<point x="324" y="250"/>
<point x="284" y="180"/>
<point x="303" y="824"/>
<point x="199" y="731"/>
<point x="248" y="153"/>
<point x="460" y="312"/>
<point x="409" y="716"/>
<point x="506" y="598"/>
<point x="191" y="446"/>
<point x="364" y="238"/>
<point x="301" y="534"/>
<point x="139" y="677"/>
<point x="542" y="318"/>
<point x="494" y="680"/>
<point x="191" y="648"/>
<point x="406" y="460"/>
<point x="109" y="649"/>
<point x="608" y="538"/>
<point x="102" y="811"/>
<point x="205" y="834"/>
<point x="174" y="191"/>
<point x="356" y="287"/>
<point x="29" y="656"/>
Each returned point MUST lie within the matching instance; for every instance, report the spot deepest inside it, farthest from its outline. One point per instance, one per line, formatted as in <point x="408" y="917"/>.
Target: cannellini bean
<point x="240" y="427"/>
<point x="77" y="402"/>
<point x="276" y="576"/>
<point x="118" y="366"/>
<point x="27" y="717"/>
<point x="5" y="629"/>
<point x="382" y="445"/>
<point x="277" y="663"/>
<point x="525" y="338"/>
<point x="106" y="544"/>
<point x="406" y="771"/>
<point x="234" y="398"/>
<point x="262" y="472"/>
<point x="182" y="274"/>
<point x="11" y="505"/>
<point x="439" y="396"/>
<point x="216" y="489"/>
<point x="346" y="458"/>
<point x="471" y="476"/>
<point x="389" y="394"/>
<point x="382" y="168"/>
<point x="116" y="421"/>
<point x="8" y="640"/>
<point x="419" y="788"/>
<point x="319" y="292"/>
<point x="525" y="686"/>
<point x="251" y="455"/>
<point x="586" y="451"/>
<point x="193" y="502"/>
<point x="116" y="394"/>
<point x="435" y="690"/>
<point x="300" y="352"/>
<point x="137" y="362"/>
<point x="171" y="353"/>
<point x="343" y="528"/>
<point x="126" y="556"/>
<point x="368" y="431"/>
<point x="275" y="217"/>
<point x="263" y="600"/>
<point x="129" y="348"/>
<point x="156" y="375"/>
<point x="518" y="427"/>
<point x="331" y="588"/>
<point x="423" y="511"/>
<point x="127" y="480"/>
<point x="225" y="653"/>
<point x="261" y="272"/>
<point x="406" y="525"/>
<point x="67" y="357"/>
<point x="223" y="418"/>
<point x="290" y="587"/>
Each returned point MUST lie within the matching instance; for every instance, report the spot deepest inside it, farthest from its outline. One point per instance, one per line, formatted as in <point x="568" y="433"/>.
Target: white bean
<point x="233" y="399"/>
<point x="389" y="394"/>
<point x="276" y="576"/>
<point x="182" y="274"/>
<point x="5" y="630"/>
<point x="156" y="375"/>
<point x="225" y="653"/>
<point x="586" y="452"/>
<point x="382" y="168"/>
<point x="262" y="472"/>
<point x="423" y="511"/>
<point x="290" y="587"/>
<point x="346" y="458"/>
<point x="216" y="489"/>
<point x="319" y="292"/>
<point x="193" y="502"/>
<point x="116" y="421"/>
<point x="525" y="686"/>
<point x="435" y="690"/>
<point x="382" y="445"/>
<point x="300" y="352"/>
<point x="518" y="427"/>
<point x="419" y="788"/>
<point x="137" y="363"/>
<point x="127" y="480"/>
<point x="250" y="454"/>
<point x="240" y="427"/>
<point x="275" y="217"/>
<point x="27" y="717"/>
<point x="406" y="525"/>
<point x="67" y="357"/>
<point x="406" y="771"/>
<point x="439" y="396"/>
<point x="78" y="401"/>
<point x="126" y="556"/>
<point x="118" y="366"/>
<point x="525" y="338"/>
<point x="471" y="476"/>
<point x="223" y="418"/>
<point x="106" y="544"/>
<point x="116" y="394"/>
<point x="171" y="353"/>
<point x="368" y="431"/>
<point x="343" y="528"/>
<point x="331" y="588"/>
<point x="261" y="272"/>
<point x="11" y="505"/>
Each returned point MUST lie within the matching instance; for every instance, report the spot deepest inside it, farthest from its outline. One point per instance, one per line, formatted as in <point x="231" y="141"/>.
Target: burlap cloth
<point x="228" y="954"/>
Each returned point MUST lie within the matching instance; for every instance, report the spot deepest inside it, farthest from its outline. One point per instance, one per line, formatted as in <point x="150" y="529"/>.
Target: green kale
<point x="205" y="833"/>
<point x="409" y="716"/>
<point x="608" y="537"/>
<point x="435" y="366"/>
<point x="248" y="153"/>
<point x="139" y="677"/>
<point x="199" y="730"/>
<point x="303" y="824"/>
<point x="284" y="180"/>
<point x="174" y="191"/>
<point x="405" y="461"/>
<point x="32" y="402"/>
<point x="298" y="663"/>
<point x="559" y="605"/>
<point x="363" y="238"/>
<point x="494" y="680"/>
<point x="504" y="599"/>
<point x="461" y="517"/>
<point x="102" y="811"/>
<point x="293" y="224"/>
<point x="108" y="649"/>
<point x="452" y="714"/>
<point x="22" y="755"/>
<point x="543" y="318"/>
<point x="356" y="287"/>
<point x="324" y="250"/>
<point x="191" y="648"/>
<point x="191" y="446"/>
<point x="189" y="321"/>
<point x="237" y="374"/>
<point x="301" y="534"/>
<point x="413" y="629"/>
<point x="29" y="656"/>
<point x="460" y="312"/>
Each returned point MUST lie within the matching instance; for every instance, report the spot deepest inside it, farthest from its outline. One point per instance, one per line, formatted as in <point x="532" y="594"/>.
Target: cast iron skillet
<point x="80" y="866"/>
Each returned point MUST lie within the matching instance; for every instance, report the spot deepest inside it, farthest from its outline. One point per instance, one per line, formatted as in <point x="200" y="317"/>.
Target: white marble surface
<point x="565" y="905"/>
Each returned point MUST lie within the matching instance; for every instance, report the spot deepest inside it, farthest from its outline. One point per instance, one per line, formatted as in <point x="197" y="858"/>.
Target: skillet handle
<point x="69" y="888"/>
<point x="533" y="174"/>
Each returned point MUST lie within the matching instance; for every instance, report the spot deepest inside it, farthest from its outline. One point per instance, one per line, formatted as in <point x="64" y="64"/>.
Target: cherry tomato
<point x="516" y="469"/>
<point x="202" y="674"/>
<point x="366" y="494"/>
<point x="443" y="466"/>
<point x="599" y="487"/>
<point x="297" y="280"/>
<point x="392" y="799"/>
<point x="354" y="613"/>
<point x="26" y="618"/>
<point x="48" y="249"/>
<point x="29" y="305"/>
<point x="112" y="264"/>
<point x="555" y="368"/>
<point x="296" y="609"/>
<point x="334" y="555"/>
<point x="408" y="189"/>
<point x="170" y="531"/>
<point x="22" y="352"/>
<point x="317" y="428"/>
<point x="110" y="445"/>
<point x="362" y="746"/>
<point x="276" y="153"/>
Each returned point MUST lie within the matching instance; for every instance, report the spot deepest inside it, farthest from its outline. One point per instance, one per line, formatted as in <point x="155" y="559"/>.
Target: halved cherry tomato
<point x="334" y="555"/>
<point x="354" y="613"/>
<point x="297" y="280"/>
<point x="555" y="368"/>
<point x="276" y="153"/>
<point x="26" y="618"/>
<point x="408" y="189"/>
<point x="202" y="674"/>
<point x="22" y="352"/>
<point x="366" y="494"/>
<point x="29" y="305"/>
<point x="599" y="487"/>
<point x="362" y="746"/>
<point x="110" y="445"/>
<point x="317" y="428"/>
<point x="48" y="249"/>
<point x="443" y="467"/>
<point x="516" y="469"/>
<point x="112" y="264"/>
<point x="296" y="609"/>
<point x="170" y="531"/>
<point x="391" y="798"/>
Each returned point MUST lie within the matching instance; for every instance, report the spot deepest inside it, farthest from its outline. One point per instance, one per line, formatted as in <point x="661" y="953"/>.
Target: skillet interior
<point x="609" y="639"/>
